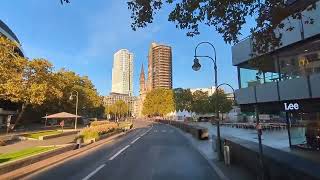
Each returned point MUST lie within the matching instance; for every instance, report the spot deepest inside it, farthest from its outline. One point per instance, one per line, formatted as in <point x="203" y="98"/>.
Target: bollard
<point x="78" y="143"/>
<point x="226" y="152"/>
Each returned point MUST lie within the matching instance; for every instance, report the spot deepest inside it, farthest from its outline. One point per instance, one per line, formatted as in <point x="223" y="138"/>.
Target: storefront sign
<point x="291" y="106"/>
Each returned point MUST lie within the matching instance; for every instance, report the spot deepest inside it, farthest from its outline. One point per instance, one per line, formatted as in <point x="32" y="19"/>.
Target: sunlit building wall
<point x="122" y="72"/>
<point x="159" y="67"/>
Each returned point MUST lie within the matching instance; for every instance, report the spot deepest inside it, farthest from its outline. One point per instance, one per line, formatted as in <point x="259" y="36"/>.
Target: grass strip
<point x="36" y="135"/>
<point x="24" y="153"/>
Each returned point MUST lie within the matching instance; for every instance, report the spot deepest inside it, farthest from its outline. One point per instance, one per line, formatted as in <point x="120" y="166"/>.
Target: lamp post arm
<point x="214" y="49"/>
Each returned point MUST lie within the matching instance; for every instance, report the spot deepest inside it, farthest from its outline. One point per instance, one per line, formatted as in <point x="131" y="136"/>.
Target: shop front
<point x="302" y="119"/>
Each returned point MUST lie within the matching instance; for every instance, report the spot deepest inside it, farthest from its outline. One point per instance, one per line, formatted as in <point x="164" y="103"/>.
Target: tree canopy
<point x="158" y="102"/>
<point x="228" y="17"/>
<point x="34" y="84"/>
<point x="200" y="102"/>
<point x="183" y="99"/>
<point x="119" y="109"/>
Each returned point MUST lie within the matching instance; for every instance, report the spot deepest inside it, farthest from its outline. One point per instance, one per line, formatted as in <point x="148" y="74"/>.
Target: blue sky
<point x="84" y="35"/>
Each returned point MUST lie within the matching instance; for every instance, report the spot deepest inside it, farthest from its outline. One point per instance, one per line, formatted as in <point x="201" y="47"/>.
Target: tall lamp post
<point x="77" y="100"/>
<point x="196" y="67"/>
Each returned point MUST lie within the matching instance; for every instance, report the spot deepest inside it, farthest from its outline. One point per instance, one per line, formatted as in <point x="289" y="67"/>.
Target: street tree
<point x="183" y="99"/>
<point x="200" y="103"/>
<point x="118" y="110"/>
<point x="90" y="103"/>
<point x="158" y="102"/>
<point x="220" y="100"/>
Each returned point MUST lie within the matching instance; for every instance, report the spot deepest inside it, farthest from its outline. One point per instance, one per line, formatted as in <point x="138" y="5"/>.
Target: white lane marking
<point x="119" y="152"/>
<point x="93" y="172"/>
<point x="135" y="140"/>
<point x="164" y="130"/>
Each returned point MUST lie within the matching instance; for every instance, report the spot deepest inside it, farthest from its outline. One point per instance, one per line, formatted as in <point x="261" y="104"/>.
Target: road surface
<point x="157" y="152"/>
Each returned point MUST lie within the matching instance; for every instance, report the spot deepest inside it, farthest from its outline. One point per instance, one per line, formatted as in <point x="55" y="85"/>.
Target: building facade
<point x="114" y="97"/>
<point x="286" y="81"/>
<point x="122" y="72"/>
<point x="210" y="90"/>
<point x="159" y="67"/>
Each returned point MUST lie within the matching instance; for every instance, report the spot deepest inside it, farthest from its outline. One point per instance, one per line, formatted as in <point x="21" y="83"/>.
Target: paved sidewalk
<point x="32" y="143"/>
<point x="233" y="172"/>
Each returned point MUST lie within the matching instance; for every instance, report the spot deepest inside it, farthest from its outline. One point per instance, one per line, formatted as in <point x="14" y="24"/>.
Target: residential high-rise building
<point x="122" y="72"/>
<point x="159" y="67"/>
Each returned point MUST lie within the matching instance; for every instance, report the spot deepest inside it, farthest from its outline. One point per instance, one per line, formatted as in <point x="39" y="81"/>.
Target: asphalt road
<point x="157" y="152"/>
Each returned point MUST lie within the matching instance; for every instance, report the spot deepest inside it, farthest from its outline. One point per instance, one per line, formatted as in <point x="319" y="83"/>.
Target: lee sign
<point x="291" y="106"/>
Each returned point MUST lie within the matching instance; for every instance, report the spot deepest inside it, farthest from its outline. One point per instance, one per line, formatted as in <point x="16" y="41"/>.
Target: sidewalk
<point x="232" y="172"/>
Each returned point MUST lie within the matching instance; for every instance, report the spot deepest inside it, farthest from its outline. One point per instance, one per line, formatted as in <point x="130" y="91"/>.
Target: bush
<point x="94" y="131"/>
<point x="89" y="133"/>
<point x="125" y="125"/>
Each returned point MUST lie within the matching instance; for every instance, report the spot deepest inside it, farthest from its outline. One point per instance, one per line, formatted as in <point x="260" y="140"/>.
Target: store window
<point x="305" y="130"/>
<point x="250" y="77"/>
<point x="300" y="63"/>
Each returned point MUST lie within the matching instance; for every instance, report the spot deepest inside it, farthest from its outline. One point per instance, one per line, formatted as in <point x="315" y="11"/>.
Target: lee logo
<point x="291" y="106"/>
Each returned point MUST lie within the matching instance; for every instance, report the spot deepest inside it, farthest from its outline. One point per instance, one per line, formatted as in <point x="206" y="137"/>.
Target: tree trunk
<point x="23" y="108"/>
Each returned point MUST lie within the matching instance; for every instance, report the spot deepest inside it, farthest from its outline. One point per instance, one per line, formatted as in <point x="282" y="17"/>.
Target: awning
<point x="61" y="115"/>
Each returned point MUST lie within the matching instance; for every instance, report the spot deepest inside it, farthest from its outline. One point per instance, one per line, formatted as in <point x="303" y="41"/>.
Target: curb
<point x="55" y="160"/>
<point x="213" y="166"/>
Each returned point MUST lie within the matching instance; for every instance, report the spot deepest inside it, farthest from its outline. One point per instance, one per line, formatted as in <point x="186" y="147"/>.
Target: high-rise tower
<point x="122" y="72"/>
<point x="159" y="67"/>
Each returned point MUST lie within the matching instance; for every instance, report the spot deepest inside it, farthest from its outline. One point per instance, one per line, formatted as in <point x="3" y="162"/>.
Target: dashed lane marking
<point x="135" y="140"/>
<point x="119" y="152"/>
<point x="94" y="172"/>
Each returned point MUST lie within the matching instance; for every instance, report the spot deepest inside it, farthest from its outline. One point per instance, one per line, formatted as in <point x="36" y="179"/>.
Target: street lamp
<point x="77" y="99"/>
<point x="196" y="66"/>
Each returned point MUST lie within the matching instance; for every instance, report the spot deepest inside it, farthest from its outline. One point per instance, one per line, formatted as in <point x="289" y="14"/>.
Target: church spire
<point x="142" y="81"/>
